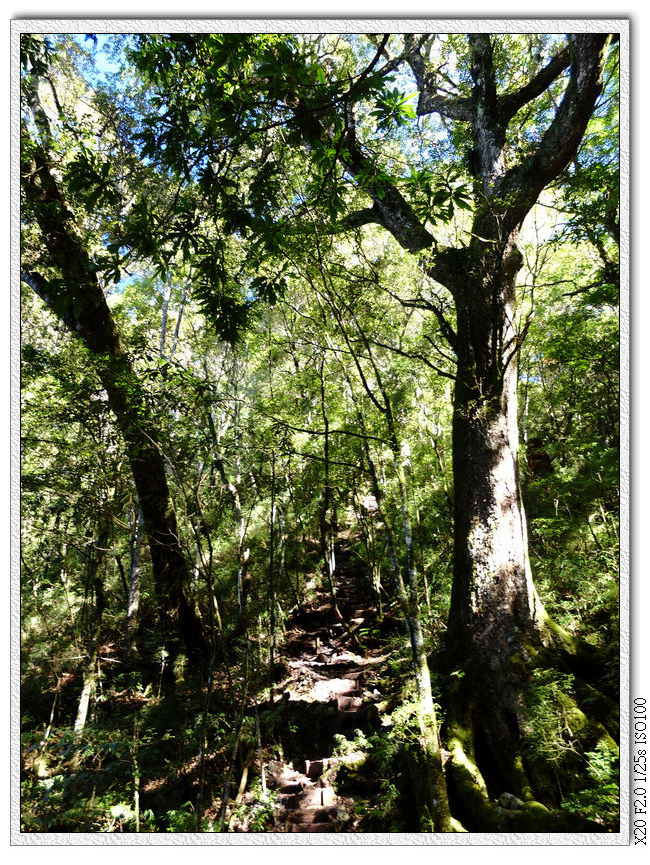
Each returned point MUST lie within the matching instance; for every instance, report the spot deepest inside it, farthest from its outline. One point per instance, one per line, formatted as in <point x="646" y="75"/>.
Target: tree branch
<point x="429" y="102"/>
<point x="510" y="104"/>
<point x="420" y="303"/>
<point x="366" y="72"/>
<point x="415" y="354"/>
<point x="357" y="218"/>
<point x="522" y="184"/>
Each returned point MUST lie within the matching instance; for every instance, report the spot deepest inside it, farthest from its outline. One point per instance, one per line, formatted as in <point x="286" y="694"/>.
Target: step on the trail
<point x="315" y="768"/>
<point x="313" y="826"/>
<point x="324" y="667"/>
<point x="348" y="703"/>
<point x="305" y="803"/>
<point x="313" y="816"/>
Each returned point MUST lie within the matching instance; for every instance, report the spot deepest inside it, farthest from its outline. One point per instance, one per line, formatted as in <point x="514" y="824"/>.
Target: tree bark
<point x="135" y="566"/>
<point x="77" y="299"/>
<point x="94" y="611"/>
<point x="492" y="589"/>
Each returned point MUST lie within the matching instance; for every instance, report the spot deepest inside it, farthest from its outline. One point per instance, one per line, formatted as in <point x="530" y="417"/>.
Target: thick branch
<point x="462" y="108"/>
<point x="485" y="91"/>
<point x="522" y="184"/>
<point x="391" y="209"/>
<point x="489" y="132"/>
<point x="510" y="104"/>
<point x="426" y="78"/>
<point x="365" y="216"/>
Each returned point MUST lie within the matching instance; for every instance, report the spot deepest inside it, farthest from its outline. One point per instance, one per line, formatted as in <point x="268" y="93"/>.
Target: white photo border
<point x="321" y="24"/>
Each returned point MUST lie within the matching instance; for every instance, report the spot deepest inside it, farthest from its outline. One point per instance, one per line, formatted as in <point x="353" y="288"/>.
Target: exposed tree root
<point x="507" y="814"/>
<point x="517" y="739"/>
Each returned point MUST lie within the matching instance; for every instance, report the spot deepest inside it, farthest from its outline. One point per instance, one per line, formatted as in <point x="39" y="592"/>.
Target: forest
<point x="319" y="433"/>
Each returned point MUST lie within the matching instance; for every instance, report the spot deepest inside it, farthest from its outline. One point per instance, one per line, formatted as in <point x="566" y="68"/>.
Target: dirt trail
<point x="329" y="691"/>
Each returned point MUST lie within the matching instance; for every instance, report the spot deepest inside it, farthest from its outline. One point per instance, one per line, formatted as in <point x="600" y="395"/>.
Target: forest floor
<point x="306" y="761"/>
<point x="329" y="696"/>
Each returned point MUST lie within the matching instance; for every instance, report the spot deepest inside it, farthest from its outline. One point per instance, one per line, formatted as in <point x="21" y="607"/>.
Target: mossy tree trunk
<point x="498" y="630"/>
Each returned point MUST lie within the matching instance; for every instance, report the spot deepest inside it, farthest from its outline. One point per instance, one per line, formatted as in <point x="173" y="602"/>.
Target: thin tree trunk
<point x="88" y="686"/>
<point x="136" y="773"/>
<point x="408" y="595"/>
<point x="328" y="521"/>
<point x="271" y="581"/>
<point x="167" y="293"/>
<point x="428" y="775"/>
<point x="94" y="613"/>
<point x="179" y="317"/>
<point x="237" y="739"/>
<point x="133" y="608"/>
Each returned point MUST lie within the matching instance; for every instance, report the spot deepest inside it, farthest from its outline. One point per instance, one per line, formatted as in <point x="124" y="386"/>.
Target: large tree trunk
<point x="495" y="612"/>
<point x="493" y="597"/>
<point x="498" y="630"/>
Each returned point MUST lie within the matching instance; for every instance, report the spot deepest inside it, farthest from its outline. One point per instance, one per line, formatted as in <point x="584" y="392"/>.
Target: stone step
<point x="349" y="704"/>
<point x="291" y="786"/>
<point x="288" y="801"/>
<point x="312" y="815"/>
<point x="314" y="768"/>
<point x="312" y="827"/>
<point x="327" y="669"/>
<point x="318" y="797"/>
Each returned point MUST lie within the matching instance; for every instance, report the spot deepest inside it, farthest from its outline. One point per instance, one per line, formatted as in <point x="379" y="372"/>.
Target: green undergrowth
<point x="600" y="801"/>
<point x="580" y="760"/>
<point x="374" y="769"/>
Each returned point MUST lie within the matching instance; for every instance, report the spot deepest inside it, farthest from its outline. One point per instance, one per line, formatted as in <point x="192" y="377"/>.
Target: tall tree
<point x="72" y="291"/>
<point x="514" y="111"/>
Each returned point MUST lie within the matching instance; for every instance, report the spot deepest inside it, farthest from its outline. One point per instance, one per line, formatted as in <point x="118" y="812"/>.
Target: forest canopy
<point x="320" y="432"/>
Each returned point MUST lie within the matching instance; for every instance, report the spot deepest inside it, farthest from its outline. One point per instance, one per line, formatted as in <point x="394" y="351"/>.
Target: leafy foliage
<point x="291" y="363"/>
<point x="600" y="801"/>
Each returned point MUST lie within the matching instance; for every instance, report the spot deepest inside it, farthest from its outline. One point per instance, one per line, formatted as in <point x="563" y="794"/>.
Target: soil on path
<point x="329" y="693"/>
